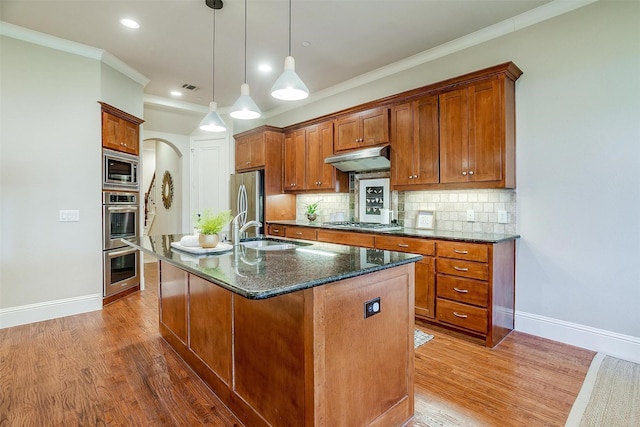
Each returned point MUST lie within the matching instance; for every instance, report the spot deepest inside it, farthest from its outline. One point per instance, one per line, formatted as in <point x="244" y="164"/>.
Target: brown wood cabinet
<point x="425" y="271"/>
<point x="476" y="288"/>
<point x="361" y="129"/>
<point x="282" y="360"/>
<point x="250" y="152"/>
<point x="268" y="141"/>
<point x="469" y="287"/>
<point x="414" y="143"/>
<point x="476" y="137"/>
<point x="294" y="161"/>
<point x="120" y="130"/>
<point x="304" y="152"/>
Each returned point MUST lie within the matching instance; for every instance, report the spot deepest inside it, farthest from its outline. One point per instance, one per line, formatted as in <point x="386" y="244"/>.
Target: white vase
<point x="209" y="240"/>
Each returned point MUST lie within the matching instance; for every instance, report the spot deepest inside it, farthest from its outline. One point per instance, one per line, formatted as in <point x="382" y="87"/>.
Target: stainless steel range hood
<point x="365" y="159"/>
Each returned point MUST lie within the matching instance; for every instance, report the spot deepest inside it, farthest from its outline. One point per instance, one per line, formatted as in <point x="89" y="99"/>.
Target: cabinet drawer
<point x="463" y="290"/>
<point x="347" y="238"/>
<point x="456" y="267"/>
<point x="406" y="244"/>
<point x="277" y="230"/>
<point x="466" y="251"/>
<point x="300" y="233"/>
<point x="462" y="315"/>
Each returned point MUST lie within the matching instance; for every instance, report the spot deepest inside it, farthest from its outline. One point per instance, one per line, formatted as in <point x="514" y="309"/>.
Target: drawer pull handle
<point x="299" y="233"/>
<point x="462" y="316"/>
<point x="460" y="268"/>
<point x="462" y="291"/>
<point x="460" y="252"/>
<point x="403" y="245"/>
<point x="276" y="230"/>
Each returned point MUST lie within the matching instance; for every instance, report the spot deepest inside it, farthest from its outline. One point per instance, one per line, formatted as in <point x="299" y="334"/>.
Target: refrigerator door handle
<point x="242" y="204"/>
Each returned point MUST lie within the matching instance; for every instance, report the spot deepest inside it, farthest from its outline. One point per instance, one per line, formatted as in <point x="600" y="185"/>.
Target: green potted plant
<point x="312" y="211"/>
<point x="209" y="225"/>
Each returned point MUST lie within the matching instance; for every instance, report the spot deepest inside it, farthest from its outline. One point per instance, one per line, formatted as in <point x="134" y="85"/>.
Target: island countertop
<point x="256" y="274"/>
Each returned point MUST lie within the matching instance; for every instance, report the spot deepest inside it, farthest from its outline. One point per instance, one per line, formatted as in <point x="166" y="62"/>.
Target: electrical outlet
<point x="69" y="215"/>
<point x="371" y="307"/>
<point x="471" y="215"/>
<point x="502" y="217"/>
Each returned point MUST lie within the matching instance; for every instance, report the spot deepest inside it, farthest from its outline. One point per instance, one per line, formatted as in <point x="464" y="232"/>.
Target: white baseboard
<point x="38" y="312"/>
<point x="610" y="343"/>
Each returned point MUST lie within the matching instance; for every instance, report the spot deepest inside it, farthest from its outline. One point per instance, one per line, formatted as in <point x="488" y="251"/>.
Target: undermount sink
<point x="270" y="245"/>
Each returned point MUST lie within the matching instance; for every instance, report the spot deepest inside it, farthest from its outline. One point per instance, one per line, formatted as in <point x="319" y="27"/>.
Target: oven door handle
<point x="113" y="254"/>
<point x="122" y="209"/>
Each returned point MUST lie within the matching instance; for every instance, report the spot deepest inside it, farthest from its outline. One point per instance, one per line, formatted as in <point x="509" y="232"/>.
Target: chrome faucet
<point x="237" y="232"/>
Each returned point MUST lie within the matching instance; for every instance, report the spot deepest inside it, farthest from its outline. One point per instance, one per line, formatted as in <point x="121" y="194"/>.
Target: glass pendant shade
<point x="212" y="122"/>
<point x="289" y="87"/>
<point x="244" y="108"/>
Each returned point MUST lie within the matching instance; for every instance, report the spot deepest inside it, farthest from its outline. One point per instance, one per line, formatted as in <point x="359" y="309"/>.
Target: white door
<point x="210" y="169"/>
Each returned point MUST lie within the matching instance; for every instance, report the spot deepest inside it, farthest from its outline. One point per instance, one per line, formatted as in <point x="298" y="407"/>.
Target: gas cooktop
<point x="355" y="225"/>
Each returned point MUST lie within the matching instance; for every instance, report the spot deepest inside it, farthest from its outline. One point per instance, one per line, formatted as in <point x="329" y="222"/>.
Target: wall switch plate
<point x="69" y="215"/>
<point x="503" y="218"/>
<point x="371" y="307"/>
<point x="471" y="215"/>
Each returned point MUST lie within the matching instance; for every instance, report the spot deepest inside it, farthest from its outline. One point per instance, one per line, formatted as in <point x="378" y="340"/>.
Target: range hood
<point x="365" y="159"/>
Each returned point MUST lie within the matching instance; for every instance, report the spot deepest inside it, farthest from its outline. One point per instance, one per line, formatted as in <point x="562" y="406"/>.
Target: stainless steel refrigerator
<point x="247" y="195"/>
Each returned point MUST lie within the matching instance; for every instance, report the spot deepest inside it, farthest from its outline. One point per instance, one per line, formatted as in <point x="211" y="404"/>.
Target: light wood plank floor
<point x="111" y="367"/>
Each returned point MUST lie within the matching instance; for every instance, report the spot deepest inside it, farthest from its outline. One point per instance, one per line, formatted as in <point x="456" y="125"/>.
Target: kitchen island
<point x="316" y="335"/>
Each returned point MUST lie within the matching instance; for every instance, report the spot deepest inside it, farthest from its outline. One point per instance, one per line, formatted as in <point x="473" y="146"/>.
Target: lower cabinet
<point x="469" y="287"/>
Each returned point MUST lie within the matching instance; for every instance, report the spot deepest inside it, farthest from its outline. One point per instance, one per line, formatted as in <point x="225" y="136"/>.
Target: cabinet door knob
<point x="464" y="173"/>
<point x="470" y="172"/>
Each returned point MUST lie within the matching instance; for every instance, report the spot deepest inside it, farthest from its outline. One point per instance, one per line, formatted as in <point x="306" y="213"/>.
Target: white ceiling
<point x="174" y="43"/>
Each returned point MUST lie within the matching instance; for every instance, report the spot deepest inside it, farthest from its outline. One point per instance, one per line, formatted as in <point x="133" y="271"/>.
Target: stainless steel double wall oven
<point x="120" y="219"/>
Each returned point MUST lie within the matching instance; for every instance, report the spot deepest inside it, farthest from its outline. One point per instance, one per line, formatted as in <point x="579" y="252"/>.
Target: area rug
<point x="610" y="395"/>
<point x="420" y="338"/>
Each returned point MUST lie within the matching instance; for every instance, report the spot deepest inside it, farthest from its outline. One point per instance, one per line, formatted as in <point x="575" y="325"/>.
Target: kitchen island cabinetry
<point x="414" y="143"/>
<point x="362" y="129"/>
<point x="282" y="337"/>
<point x="120" y="130"/>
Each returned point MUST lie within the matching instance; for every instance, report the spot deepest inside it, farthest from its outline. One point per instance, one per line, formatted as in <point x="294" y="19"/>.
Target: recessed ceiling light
<point x="305" y="44"/>
<point x="265" y="68"/>
<point x="176" y="93"/>
<point x="129" y="23"/>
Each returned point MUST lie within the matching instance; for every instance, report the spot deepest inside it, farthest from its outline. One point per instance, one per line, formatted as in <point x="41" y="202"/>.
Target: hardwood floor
<point x="111" y="367"/>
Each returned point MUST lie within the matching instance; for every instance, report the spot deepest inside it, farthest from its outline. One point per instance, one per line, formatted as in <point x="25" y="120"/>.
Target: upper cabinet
<point x="459" y="134"/>
<point x="362" y="129"/>
<point x="294" y="161"/>
<point x="120" y="130"/>
<point x="475" y="144"/>
<point x="414" y="136"/>
<point x="304" y="152"/>
<point x="250" y="152"/>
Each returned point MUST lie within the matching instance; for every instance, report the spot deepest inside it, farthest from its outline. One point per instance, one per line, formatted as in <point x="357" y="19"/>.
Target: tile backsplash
<point x="450" y="208"/>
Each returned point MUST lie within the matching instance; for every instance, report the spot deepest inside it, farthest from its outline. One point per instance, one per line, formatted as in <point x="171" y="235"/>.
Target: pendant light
<point x="244" y="108"/>
<point x="289" y="86"/>
<point x="212" y="122"/>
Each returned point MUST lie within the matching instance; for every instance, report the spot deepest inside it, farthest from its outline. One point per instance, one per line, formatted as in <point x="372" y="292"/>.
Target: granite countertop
<point x="461" y="236"/>
<point x="256" y="274"/>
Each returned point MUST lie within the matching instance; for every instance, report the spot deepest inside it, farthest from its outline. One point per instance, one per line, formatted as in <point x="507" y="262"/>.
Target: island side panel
<point x="173" y="300"/>
<point x="364" y="366"/>
<point x="269" y="356"/>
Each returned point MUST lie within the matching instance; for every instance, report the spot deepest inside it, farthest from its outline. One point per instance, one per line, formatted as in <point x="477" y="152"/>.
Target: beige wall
<point x="578" y="151"/>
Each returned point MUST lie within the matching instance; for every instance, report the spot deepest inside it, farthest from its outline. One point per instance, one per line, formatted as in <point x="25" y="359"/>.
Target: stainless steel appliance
<point x="120" y="218"/>
<point x="355" y="225"/>
<point x="365" y="159"/>
<point x="121" y="263"/>
<point x="246" y="191"/>
<point x="119" y="171"/>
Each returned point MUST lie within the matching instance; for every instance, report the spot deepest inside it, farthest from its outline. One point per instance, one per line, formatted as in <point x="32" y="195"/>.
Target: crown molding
<point x="53" y="42"/>
<point x="518" y="22"/>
